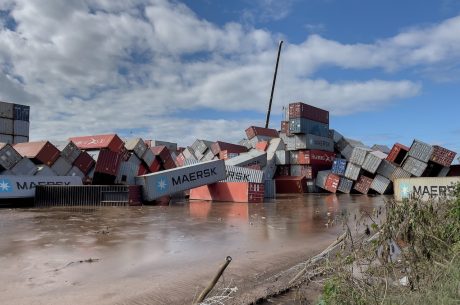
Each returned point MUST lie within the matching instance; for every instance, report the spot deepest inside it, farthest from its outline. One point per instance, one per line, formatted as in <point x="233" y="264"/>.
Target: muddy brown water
<point x="161" y="254"/>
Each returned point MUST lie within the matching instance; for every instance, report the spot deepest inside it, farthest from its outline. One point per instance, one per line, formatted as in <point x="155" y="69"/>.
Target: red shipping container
<point x="135" y="195"/>
<point x="219" y="146"/>
<point x="262" y="146"/>
<point x="442" y="156"/>
<point x="301" y="110"/>
<point x="225" y="155"/>
<point x="169" y="164"/>
<point x="454" y="171"/>
<point x="230" y="191"/>
<point x="39" y="152"/>
<point x="84" y="162"/>
<point x="108" y="141"/>
<point x="108" y="162"/>
<point x="180" y="160"/>
<point x="397" y="153"/>
<point x="315" y="157"/>
<point x="162" y="152"/>
<point x="253" y="131"/>
<point x="143" y="170"/>
<point x="291" y="184"/>
<point x="363" y="184"/>
<point x="332" y="183"/>
<point x="155" y="166"/>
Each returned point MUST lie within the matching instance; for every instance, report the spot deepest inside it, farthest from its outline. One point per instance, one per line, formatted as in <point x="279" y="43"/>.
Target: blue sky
<point x="387" y="70"/>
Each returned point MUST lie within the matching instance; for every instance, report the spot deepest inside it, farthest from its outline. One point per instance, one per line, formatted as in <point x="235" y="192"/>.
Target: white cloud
<point x="98" y="66"/>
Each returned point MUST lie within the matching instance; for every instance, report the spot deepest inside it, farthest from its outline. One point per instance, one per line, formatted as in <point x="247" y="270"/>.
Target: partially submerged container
<point x="230" y="191"/>
<point x="425" y="188"/>
<point x="39" y="152"/>
<point x="269" y="188"/>
<point x="399" y="173"/>
<point x="345" y="185"/>
<point x="107" y="141"/>
<point x="339" y="166"/>
<point x="381" y="184"/>
<point x="363" y="184"/>
<point x="302" y="170"/>
<point x="352" y="172"/>
<point x="327" y="181"/>
<point x="290" y="184"/>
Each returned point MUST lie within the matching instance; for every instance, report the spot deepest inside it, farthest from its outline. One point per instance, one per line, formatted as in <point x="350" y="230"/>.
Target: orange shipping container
<point x="230" y="191"/>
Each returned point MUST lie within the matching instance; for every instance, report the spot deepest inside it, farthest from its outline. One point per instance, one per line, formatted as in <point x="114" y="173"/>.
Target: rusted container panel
<point x="161" y="152"/>
<point x="137" y="145"/>
<point x="353" y="171"/>
<point x="254" y="141"/>
<point x="290" y="184"/>
<point x="373" y="160"/>
<point x="381" y="184"/>
<point x="327" y="181"/>
<point x="363" y="184"/>
<point x="44" y="170"/>
<point x="301" y="110"/>
<point x="302" y="170"/>
<point x="420" y="151"/>
<point x="4" y="138"/>
<point x="39" y="152"/>
<point x="414" y="166"/>
<point x="6" y="110"/>
<point x="21" y="128"/>
<point x="108" y="162"/>
<point x="61" y="167"/>
<point x="253" y="131"/>
<point x="339" y="167"/>
<point x="398" y="153"/>
<point x="386" y="169"/>
<point x="84" y="162"/>
<point x="21" y="112"/>
<point x="262" y="146"/>
<point x="6" y="126"/>
<point x="9" y="157"/>
<point x="24" y="167"/>
<point x="442" y="156"/>
<point x="230" y="192"/>
<point x="306" y="126"/>
<point x="399" y="173"/>
<point x="108" y="141"/>
<point x="252" y="157"/>
<point x="219" y="146"/>
<point x="76" y="172"/>
<point x="382" y="148"/>
<point x="345" y="185"/>
<point x="18" y="139"/>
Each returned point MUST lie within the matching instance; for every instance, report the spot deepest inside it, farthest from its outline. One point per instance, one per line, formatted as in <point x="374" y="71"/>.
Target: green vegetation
<point x="413" y="259"/>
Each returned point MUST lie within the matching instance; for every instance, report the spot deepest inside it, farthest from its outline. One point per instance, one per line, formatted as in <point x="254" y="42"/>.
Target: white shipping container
<point x="373" y="160"/>
<point x="380" y="184"/>
<point x="424" y="188"/>
<point x="6" y="110"/>
<point x="252" y="157"/>
<point x="421" y="151"/>
<point x="4" y="138"/>
<point x="137" y="146"/>
<point x="180" y="179"/>
<point x="352" y="172"/>
<point x="243" y="174"/>
<point x="282" y="157"/>
<point x="24" y="186"/>
<point x="21" y="128"/>
<point x="8" y="156"/>
<point x="189" y="153"/>
<point x="6" y="126"/>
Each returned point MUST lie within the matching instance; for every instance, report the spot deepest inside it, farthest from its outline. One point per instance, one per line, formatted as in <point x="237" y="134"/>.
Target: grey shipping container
<point x="45" y="170"/>
<point x="282" y="157"/>
<point x="6" y="126"/>
<point x="137" y="146"/>
<point x="275" y="144"/>
<point x="252" y="157"/>
<point x="424" y="188"/>
<point x="421" y="151"/>
<point x="373" y="160"/>
<point x="199" y="155"/>
<point x="345" y="185"/>
<point x="399" y="173"/>
<point x="270" y="188"/>
<point x="208" y="156"/>
<point x="6" y="110"/>
<point x="381" y="184"/>
<point x="21" y="112"/>
<point x="306" y="126"/>
<point x="20" y="139"/>
<point x="189" y="153"/>
<point x="127" y="172"/>
<point x="386" y="169"/>
<point x="311" y="186"/>
<point x="24" y="167"/>
<point x="21" y="128"/>
<point x="309" y="142"/>
<point x="270" y="168"/>
<point x="6" y="138"/>
<point x="169" y="145"/>
<point x="148" y="157"/>
<point x="335" y="135"/>
<point x="382" y="148"/>
<point x="242" y="174"/>
<point x="200" y="146"/>
<point x="355" y="155"/>
<point x="9" y="157"/>
<point x="352" y="172"/>
<point x="70" y="152"/>
<point x="245" y="143"/>
<point x="180" y="179"/>
<point x="75" y="171"/>
<point x="61" y="166"/>
<point x="414" y="166"/>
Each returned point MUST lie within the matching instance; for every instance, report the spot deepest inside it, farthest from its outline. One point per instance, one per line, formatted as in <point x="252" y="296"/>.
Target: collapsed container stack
<point x="14" y="123"/>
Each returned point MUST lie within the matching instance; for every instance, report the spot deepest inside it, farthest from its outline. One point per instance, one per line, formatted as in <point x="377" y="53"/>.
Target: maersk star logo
<point x="5" y="186"/>
<point x="161" y="184"/>
<point x="405" y="190"/>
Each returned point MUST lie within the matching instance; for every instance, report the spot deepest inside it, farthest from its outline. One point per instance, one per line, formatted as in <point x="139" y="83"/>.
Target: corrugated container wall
<point x="373" y="160"/>
<point x="381" y="184"/>
<point x="6" y="139"/>
<point x="345" y="185"/>
<point x="339" y="167"/>
<point x="137" y="146"/>
<point x="241" y="174"/>
<point x="421" y="151"/>
<point x="352" y="172"/>
<point x="6" y="126"/>
<point x="84" y="162"/>
<point x="363" y="184"/>
<point x="442" y="156"/>
<point x="398" y="153"/>
<point x="386" y="169"/>
<point x="61" y="166"/>
<point x="414" y="166"/>
<point x="39" y="152"/>
<point x="21" y="128"/>
<point x="306" y="126"/>
<point x="6" y="110"/>
<point x="110" y="141"/>
<point x="21" y="112"/>
<point x="253" y="131"/>
<point x="19" y="139"/>
<point x="70" y="152"/>
<point x="301" y="110"/>
<point x="253" y="157"/>
<point x="24" y="167"/>
<point x="8" y="156"/>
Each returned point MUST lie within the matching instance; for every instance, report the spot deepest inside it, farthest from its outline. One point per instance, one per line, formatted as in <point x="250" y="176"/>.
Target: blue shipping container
<point x="339" y="166"/>
<point x="306" y="126"/>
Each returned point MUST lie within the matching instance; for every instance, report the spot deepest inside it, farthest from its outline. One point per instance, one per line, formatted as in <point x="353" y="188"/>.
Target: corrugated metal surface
<point x="21" y="128"/>
<point x="274" y="145"/>
<point x="327" y="181"/>
<point x="189" y="153"/>
<point x="24" y="186"/>
<point x="39" y="152"/>
<point x="424" y="188"/>
<point x="110" y="141"/>
<point x="373" y="160"/>
<point x="180" y="179"/>
<point x="200" y="146"/>
<point x="270" y="188"/>
<point x="290" y="184"/>
<point x="242" y="174"/>
<point x="442" y="156"/>
<point x="230" y="192"/>
<point x="8" y="156"/>
<point x="335" y="135"/>
<point x="137" y="146"/>
<point x="339" y="167"/>
<point x="19" y="139"/>
<point x="352" y="172"/>
<point x="282" y="157"/>
<point x="253" y="157"/>
<point x="24" y="167"/>
<point x="355" y="155"/>
<point x="208" y="156"/>
<point x="301" y="110"/>
<point x="306" y="126"/>
<point x="421" y="151"/>
<point x="253" y="131"/>
<point x="382" y="148"/>
<point x="21" y="112"/>
<point x="108" y="162"/>
<point x="44" y="170"/>
<point x="414" y="166"/>
<point x="398" y="153"/>
<point x="6" y="126"/>
<point x="308" y="142"/>
<point x="399" y="173"/>
<point x="127" y="172"/>
<point x="302" y="170"/>
<point x="148" y="157"/>
<point x="386" y="169"/>
<point x="381" y="184"/>
<point x="218" y="146"/>
<point x="6" y="110"/>
<point x="345" y="185"/>
<point x="6" y="138"/>
<point x="169" y="145"/>
<point x="363" y="184"/>
<point x="70" y="152"/>
<point x="75" y="172"/>
<point x="258" y="139"/>
<point x="84" y="162"/>
<point x="61" y="166"/>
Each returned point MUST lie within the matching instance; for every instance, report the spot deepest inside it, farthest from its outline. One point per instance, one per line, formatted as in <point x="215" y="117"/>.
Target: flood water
<point x="160" y="254"/>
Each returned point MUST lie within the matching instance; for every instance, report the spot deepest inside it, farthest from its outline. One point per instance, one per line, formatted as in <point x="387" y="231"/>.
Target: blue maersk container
<point x="339" y="166"/>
